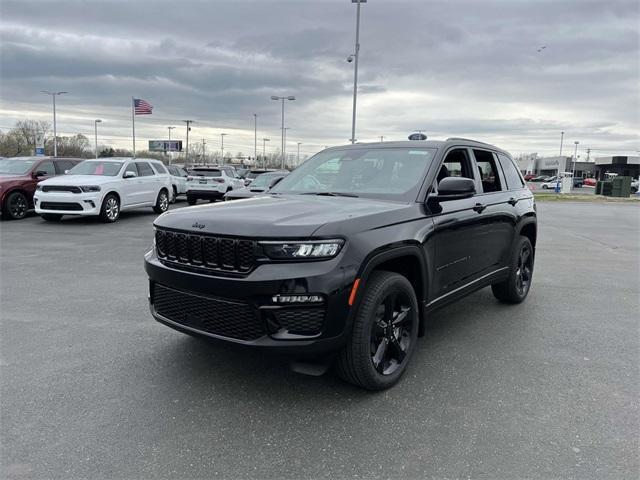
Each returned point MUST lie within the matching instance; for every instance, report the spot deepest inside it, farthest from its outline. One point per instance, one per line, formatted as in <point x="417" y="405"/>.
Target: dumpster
<point x="604" y="187"/>
<point x="621" y="187"/>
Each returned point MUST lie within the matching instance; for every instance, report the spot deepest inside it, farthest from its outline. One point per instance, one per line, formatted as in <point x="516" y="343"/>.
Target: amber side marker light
<point x="354" y="289"/>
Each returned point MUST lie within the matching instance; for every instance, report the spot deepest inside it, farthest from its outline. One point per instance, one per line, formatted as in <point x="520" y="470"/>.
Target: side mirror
<point x="66" y="172"/>
<point x="274" y="182"/>
<point x="129" y="174"/>
<point x="455" y="188"/>
<point x="40" y="173"/>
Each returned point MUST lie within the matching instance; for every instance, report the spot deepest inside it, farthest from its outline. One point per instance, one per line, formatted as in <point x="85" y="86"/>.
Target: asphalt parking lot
<point x="92" y="387"/>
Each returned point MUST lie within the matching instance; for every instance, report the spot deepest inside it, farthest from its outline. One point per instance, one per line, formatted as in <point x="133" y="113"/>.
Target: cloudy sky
<point x="452" y="68"/>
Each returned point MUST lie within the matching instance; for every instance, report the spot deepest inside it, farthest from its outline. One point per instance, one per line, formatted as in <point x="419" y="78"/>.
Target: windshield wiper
<point x="332" y="194"/>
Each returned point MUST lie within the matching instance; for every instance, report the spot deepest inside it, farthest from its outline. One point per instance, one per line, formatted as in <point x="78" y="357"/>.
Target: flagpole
<point x="133" y="123"/>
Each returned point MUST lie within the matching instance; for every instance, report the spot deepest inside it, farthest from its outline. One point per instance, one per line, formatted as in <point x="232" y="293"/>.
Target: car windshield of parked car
<point x="206" y="173"/>
<point x="264" y="180"/>
<point x="16" y="166"/>
<point x="109" y="169"/>
<point x="385" y="173"/>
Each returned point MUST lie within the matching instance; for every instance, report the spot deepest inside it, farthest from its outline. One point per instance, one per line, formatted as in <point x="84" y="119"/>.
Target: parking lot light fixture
<point x="264" y="156"/>
<point x="222" y="135"/>
<point x="186" y="152"/>
<point x="575" y="159"/>
<point x="298" y="158"/>
<point x="55" y="132"/>
<point x="95" y="131"/>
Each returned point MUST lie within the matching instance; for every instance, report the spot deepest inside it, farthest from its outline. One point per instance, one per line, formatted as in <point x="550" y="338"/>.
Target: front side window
<point x="144" y="170"/>
<point x="456" y="164"/>
<point x="131" y="168"/>
<point x="384" y="173"/>
<point x="488" y="171"/>
<point x="512" y="174"/>
<point x="46" y="168"/>
<point x="106" y="168"/>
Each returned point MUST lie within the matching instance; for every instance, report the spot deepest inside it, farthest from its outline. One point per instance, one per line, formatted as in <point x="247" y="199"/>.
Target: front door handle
<point x="512" y="201"/>
<point x="478" y="207"/>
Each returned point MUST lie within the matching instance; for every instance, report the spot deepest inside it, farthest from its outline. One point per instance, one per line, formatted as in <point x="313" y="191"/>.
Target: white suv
<point x="104" y="187"/>
<point x="211" y="183"/>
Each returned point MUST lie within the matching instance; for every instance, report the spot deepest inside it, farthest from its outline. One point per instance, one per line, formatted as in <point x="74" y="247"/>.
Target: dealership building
<point x="622" y="165"/>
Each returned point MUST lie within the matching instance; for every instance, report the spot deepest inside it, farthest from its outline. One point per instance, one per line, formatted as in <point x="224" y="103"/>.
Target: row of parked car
<point x="104" y="187"/>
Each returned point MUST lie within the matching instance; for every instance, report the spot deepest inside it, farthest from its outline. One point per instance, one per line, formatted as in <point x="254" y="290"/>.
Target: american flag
<point x="142" y="107"/>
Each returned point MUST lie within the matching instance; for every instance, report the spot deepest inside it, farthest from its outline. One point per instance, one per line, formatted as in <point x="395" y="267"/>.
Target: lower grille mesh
<point x="212" y="315"/>
<point x="303" y="321"/>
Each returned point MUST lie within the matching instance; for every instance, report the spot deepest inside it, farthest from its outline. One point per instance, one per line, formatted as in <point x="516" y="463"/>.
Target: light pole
<point x="222" y="135"/>
<point x="95" y="131"/>
<point x="575" y="159"/>
<point x="284" y="161"/>
<point x="186" y="152"/>
<point x="165" y="151"/>
<point x="290" y="97"/>
<point x="351" y="58"/>
<point x="381" y="138"/>
<point x="561" y="141"/>
<point x="255" y="136"/>
<point x="298" y="158"/>
<point x="55" y="132"/>
<point x="264" y="156"/>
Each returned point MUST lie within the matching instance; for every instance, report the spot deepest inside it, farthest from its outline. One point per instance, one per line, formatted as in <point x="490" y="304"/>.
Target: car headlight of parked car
<point x="315" y="249"/>
<point x="90" y="188"/>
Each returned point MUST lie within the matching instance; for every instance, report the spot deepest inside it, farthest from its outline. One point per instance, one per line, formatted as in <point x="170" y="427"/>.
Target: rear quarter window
<point x="512" y="174"/>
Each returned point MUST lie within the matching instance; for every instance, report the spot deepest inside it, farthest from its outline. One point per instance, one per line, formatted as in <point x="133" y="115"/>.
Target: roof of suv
<point x="424" y="144"/>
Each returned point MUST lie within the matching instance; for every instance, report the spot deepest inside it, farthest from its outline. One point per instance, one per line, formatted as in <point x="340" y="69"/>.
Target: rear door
<point x="496" y="213"/>
<point x="149" y="182"/>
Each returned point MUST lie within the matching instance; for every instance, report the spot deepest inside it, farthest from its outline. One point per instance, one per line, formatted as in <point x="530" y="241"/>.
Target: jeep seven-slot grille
<point x="218" y="316"/>
<point x="188" y="250"/>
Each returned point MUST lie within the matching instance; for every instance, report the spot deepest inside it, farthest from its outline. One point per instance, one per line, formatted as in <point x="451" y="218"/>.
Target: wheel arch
<point x="16" y="189"/>
<point x="529" y="229"/>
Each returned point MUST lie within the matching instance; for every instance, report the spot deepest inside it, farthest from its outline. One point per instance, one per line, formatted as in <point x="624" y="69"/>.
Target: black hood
<point x="282" y="215"/>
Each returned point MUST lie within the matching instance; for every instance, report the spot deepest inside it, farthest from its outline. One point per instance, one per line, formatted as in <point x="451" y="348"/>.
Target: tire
<point x="110" y="210"/>
<point x="516" y="287"/>
<point x="191" y="200"/>
<point x="51" y="217"/>
<point x="15" y="206"/>
<point x="162" y="202"/>
<point x="175" y="194"/>
<point x="544" y="187"/>
<point x="377" y="354"/>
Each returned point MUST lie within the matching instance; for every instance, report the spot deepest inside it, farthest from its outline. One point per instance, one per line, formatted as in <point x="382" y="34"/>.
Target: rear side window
<point x="144" y="170"/>
<point x="159" y="168"/>
<point x="173" y="170"/>
<point x="488" y="171"/>
<point x="511" y="173"/>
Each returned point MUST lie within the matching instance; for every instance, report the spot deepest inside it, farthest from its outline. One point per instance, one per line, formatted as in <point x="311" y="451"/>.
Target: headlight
<point x="38" y="187"/>
<point x="90" y="188"/>
<point x="301" y="250"/>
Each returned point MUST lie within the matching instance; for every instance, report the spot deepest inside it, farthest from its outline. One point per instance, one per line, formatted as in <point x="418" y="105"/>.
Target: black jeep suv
<point x="345" y="257"/>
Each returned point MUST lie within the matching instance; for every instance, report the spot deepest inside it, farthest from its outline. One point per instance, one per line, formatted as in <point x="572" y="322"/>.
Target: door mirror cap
<point x="129" y="174"/>
<point x="455" y="188"/>
<point x="40" y="173"/>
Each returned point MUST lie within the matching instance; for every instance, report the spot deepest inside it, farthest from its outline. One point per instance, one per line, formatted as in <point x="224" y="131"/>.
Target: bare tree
<point x="22" y="139"/>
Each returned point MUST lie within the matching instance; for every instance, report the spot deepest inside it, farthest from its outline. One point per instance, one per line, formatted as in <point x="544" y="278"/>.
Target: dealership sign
<point x="165" y="145"/>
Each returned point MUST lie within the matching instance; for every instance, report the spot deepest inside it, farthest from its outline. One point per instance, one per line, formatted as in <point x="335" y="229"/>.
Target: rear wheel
<point x="51" y="217"/>
<point x="110" y="211"/>
<point x="162" y="202"/>
<point x="16" y="206"/>
<point x="175" y="194"/>
<point x="516" y="287"/>
<point x="384" y="333"/>
<point x="191" y="200"/>
<point x="544" y="187"/>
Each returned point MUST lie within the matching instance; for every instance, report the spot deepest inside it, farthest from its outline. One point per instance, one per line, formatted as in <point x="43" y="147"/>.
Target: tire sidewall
<point x="103" y="210"/>
<point x="514" y="267"/>
<point x="364" y="323"/>
<point x="158" y="207"/>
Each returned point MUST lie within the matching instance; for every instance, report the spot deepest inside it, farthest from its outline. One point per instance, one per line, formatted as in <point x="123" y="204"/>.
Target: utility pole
<point x="222" y="135"/>
<point x="264" y="156"/>
<point x="186" y="152"/>
<point x="381" y="138"/>
<point x="255" y="137"/>
<point x="298" y="158"/>
<point x="588" y="154"/>
<point x="355" y="57"/>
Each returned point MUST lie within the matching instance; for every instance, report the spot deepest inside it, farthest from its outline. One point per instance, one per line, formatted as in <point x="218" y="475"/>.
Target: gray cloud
<point x="453" y="68"/>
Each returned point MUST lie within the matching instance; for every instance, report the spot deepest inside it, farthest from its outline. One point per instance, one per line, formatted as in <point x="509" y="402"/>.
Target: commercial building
<point x="628" y="166"/>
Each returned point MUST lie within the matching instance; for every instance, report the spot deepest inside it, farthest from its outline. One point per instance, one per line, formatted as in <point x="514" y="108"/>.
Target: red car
<point x="589" y="182"/>
<point x="529" y="176"/>
<point x="19" y="177"/>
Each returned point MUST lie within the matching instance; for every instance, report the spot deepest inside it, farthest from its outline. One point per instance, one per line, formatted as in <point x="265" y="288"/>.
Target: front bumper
<point x="67" y="203"/>
<point x="241" y="309"/>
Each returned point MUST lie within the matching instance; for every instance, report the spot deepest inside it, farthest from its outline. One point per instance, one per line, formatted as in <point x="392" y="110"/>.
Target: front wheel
<point x="162" y="202"/>
<point x="516" y="287"/>
<point x="544" y="187"/>
<point x="384" y="333"/>
<point x="110" y="211"/>
<point x="16" y="206"/>
<point x="191" y="200"/>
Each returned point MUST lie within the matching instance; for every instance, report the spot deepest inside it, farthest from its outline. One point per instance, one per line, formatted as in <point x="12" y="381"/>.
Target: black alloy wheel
<point x="384" y="333"/>
<point x="525" y="268"/>
<point x="16" y="206"/>
<point x="517" y="285"/>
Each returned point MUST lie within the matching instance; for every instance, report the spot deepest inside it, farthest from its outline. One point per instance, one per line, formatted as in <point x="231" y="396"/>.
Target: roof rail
<point x="468" y="140"/>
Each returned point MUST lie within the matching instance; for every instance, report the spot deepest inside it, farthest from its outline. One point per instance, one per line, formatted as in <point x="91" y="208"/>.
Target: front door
<point x="131" y="187"/>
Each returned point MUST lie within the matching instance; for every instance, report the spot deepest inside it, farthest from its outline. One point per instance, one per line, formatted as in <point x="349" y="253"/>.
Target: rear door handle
<point x="512" y="201"/>
<point x="478" y="207"/>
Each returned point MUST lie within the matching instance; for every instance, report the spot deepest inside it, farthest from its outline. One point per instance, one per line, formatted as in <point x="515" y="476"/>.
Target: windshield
<point x="206" y="173"/>
<point x="16" y="166"/>
<point x="374" y="172"/>
<point x="263" y="181"/>
<point x="109" y="169"/>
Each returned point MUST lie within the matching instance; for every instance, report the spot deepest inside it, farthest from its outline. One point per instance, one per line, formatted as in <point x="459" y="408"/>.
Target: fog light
<point x="297" y="299"/>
